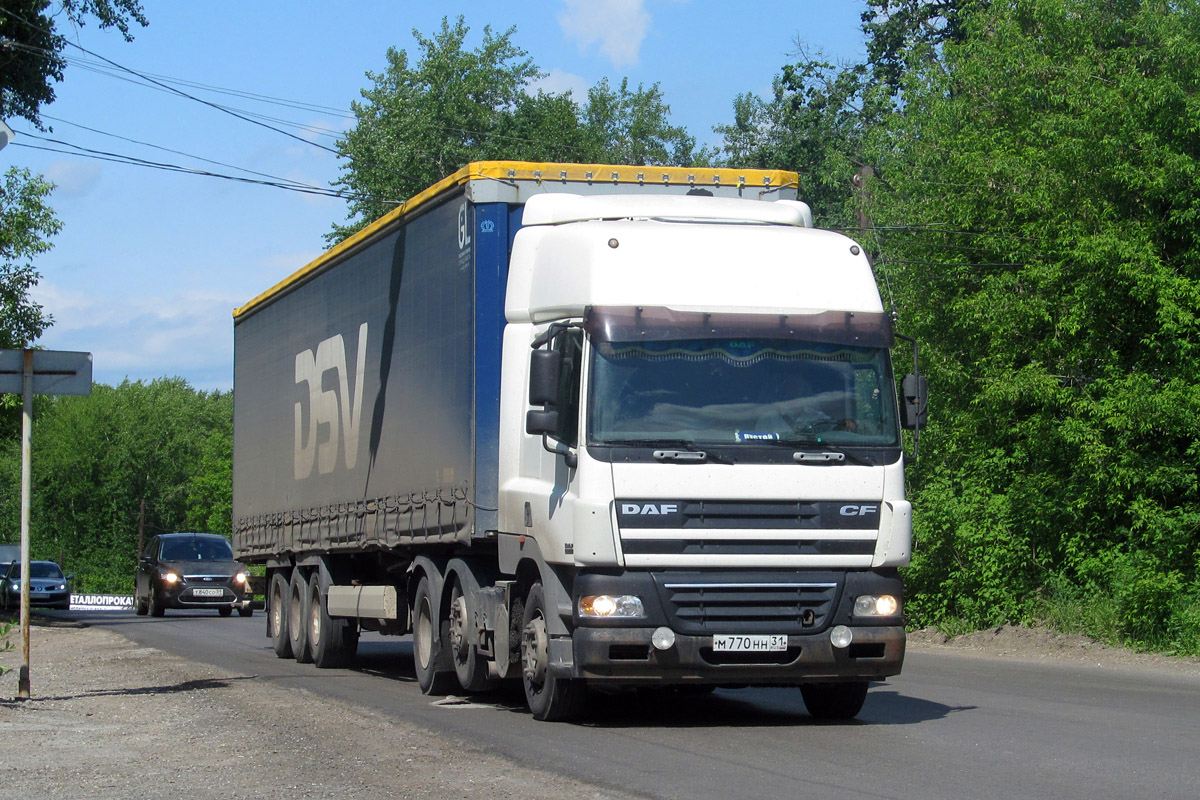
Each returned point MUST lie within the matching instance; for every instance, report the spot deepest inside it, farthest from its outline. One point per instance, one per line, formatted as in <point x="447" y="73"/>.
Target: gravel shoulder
<point x="109" y="719"/>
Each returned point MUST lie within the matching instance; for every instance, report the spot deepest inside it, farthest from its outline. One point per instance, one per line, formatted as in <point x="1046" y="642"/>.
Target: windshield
<point x="741" y="391"/>
<point x="37" y="569"/>
<point x="196" y="548"/>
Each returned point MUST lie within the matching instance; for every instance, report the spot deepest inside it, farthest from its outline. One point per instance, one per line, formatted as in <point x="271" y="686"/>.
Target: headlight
<point x="608" y="606"/>
<point x="170" y="577"/>
<point x="869" y="605"/>
<point x="241" y="577"/>
<point x="16" y="586"/>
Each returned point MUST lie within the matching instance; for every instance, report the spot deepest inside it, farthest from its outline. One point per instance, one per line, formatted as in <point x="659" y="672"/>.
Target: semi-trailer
<point x="582" y="426"/>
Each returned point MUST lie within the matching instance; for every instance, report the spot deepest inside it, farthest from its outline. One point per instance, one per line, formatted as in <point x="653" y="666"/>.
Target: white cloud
<point x="73" y="178"/>
<point x="559" y="82"/>
<point x="189" y="334"/>
<point x="618" y="27"/>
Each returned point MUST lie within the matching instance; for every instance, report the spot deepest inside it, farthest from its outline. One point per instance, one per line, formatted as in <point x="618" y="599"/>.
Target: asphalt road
<point x="952" y="726"/>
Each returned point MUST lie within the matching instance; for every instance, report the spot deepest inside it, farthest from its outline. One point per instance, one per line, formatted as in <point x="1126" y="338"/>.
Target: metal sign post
<point x="31" y="372"/>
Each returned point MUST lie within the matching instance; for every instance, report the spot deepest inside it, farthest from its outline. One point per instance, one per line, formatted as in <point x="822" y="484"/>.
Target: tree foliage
<point x="1042" y="182"/>
<point x="26" y="223"/>
<point x="419" y="122"/>
<point x="95" y="458"/>
<point x="31" y="57"/>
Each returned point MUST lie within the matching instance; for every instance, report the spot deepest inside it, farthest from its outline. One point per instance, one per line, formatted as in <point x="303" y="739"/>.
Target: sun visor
<point x="650" y="323"/>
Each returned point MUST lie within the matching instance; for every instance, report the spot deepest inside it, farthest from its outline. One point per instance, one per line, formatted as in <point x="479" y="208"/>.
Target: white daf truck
<point x="582" y="426"/>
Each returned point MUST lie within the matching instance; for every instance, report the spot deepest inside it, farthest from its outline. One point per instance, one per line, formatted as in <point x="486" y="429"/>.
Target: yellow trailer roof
<point x="536" y="173"/>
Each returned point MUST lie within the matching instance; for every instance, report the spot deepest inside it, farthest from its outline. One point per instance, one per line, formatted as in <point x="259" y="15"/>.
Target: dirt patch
<point x="1039" y="644"/>
<point x="113" y="720"/>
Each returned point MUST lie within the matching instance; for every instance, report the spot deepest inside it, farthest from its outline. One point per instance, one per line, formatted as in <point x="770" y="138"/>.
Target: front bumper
<point x="625" y="655"/>
<point x="803" y="605"/>
<point x="186" y="597"/>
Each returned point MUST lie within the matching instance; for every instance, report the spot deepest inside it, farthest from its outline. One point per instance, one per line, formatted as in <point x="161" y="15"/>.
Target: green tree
<point x="97" y="457"/>
<point x="420" y="122"/>
<point x="26" y="222"/>
<point x="31" y="56"/>
<point x="1040" y="186"/>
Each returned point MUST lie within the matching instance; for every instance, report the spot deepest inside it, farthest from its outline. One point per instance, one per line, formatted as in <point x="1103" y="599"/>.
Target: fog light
<point x="841" y="636"/>
<point x="663" y="639"/>
<point x="605" y="605"/>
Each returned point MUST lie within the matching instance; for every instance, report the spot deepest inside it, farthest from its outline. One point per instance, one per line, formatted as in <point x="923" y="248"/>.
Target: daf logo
<point x="858" y="511"/>
<point x="649" y="509"/>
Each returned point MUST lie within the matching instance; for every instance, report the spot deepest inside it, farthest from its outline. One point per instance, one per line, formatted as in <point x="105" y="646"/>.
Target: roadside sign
<point x="31" y="372"/>
<point x="54" y="372"/>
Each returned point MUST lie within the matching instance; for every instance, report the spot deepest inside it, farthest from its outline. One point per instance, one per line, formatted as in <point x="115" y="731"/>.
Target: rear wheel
<point x="427" y="643"/>
<point x="298" y="617"/>
<point x="277" y="617"/>
<point x="327" y="637"/>
<point x="549" y="697"/>
<point x="470" y="667"/>
<point x="834" y="700"/>
<point x="245" y="611"/>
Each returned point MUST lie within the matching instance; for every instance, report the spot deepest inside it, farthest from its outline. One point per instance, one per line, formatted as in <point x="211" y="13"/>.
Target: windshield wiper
<point x="683" y="450"/>
<point x="813" y="451"/>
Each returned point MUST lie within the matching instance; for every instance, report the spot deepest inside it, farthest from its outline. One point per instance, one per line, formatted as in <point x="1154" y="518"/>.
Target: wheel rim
<point x="535" y="651"/>
<point x="276" y="612"/>
<point x="424" y="634"/>
<point x="458" y="626"/>
<point x="314" y="612"/>
<point x="296" y="624"/>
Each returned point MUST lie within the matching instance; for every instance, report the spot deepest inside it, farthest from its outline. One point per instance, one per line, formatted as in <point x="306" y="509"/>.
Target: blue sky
<point x="150" y="263"/>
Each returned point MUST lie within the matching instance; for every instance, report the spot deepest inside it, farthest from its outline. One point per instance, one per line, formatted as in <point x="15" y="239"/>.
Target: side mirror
<point x="544" y="366"/>
<point x="915" y="401"/>
<point x="539" y="422"/>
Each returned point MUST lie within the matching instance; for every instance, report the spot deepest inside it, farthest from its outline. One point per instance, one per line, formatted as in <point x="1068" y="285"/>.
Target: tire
<point x="327" y="638"/>
<point x="298" y="617"/>
<point x="470" y="668"/>
<point x="225" y="612"/>
<point x="834" y="701"/>
<point x="139" y="603"/>
<point x="428" y="643"/>
<point x="277" y="616"/>
<point x="153" y="605"/>
<point x="246" y="611"/>
<point x="550" y="698"/>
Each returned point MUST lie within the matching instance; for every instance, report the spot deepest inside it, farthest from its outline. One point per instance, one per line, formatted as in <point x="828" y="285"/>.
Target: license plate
<point x="750" y="644"/>
<point x="208" y="592"/>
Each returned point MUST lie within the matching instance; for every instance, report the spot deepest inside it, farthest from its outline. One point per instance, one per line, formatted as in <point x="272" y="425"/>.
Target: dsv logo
<point x="324" y="405"/>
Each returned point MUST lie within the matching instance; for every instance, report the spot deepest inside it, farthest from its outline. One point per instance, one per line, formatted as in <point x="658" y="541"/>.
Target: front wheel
<point x="153" y="605"/>
<point x="833" y="701"/>
<point x="550" y="698"/>
<point x="225" y="612"/>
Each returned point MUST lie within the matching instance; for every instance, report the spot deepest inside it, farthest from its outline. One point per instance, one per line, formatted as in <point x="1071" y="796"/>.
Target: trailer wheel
<point x="277" y="616"/>
<point x="327" y="638"/>
<point x="298" y="617"/>
<point x="834" y="701"/>
<point x="427" y="643"/>
<point x="470" y="667"/>
<point x="550" y="698"/>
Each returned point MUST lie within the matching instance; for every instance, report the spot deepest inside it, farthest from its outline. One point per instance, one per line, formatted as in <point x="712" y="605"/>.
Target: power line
<point x="172" y="89"/>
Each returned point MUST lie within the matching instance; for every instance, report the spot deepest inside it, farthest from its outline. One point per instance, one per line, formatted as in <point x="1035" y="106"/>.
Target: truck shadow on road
<point x="176" y="688"/>
<point x="753" y="707"/>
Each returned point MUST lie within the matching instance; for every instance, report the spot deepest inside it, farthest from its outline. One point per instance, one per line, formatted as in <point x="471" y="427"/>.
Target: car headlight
<point x="870" y="605"/>
<point x="16" y="586"/>
<point x="241" y="577"/>
<point x="607" y="606"/>
<point x="170" y="577"/>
